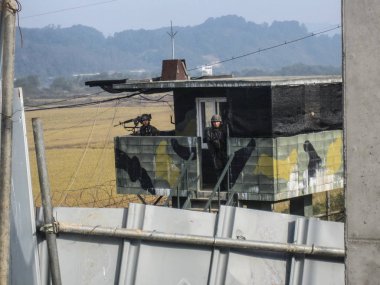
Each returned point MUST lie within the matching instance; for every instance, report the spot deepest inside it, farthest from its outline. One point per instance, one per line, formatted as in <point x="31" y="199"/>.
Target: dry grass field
<point x="79" y="151"/>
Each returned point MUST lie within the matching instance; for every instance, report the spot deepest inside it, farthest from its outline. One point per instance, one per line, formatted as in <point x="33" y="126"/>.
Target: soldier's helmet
<point x="145" y="117"/>
<point x="216" y="118"/>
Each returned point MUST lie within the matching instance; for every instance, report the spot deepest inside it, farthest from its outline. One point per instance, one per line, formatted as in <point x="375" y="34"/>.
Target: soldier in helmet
<point x="147" y="129"/>
<point x="216" y="139"/>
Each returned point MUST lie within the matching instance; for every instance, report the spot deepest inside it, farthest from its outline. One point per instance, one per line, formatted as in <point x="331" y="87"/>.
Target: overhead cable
<point x="313" y="34"/>
<point x="87" y="103"/>
<point x="67" y="9"/>
<point x="75" y="97"/>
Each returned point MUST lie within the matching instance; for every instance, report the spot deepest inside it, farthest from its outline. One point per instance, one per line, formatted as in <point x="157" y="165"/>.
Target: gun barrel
<point x="126" y="122"/>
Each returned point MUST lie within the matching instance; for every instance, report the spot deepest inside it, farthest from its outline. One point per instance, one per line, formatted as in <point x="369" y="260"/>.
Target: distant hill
<point x="54" y="51"/>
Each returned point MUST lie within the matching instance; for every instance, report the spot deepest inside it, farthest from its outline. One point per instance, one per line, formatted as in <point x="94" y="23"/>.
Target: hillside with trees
<point x="52" y="51"/>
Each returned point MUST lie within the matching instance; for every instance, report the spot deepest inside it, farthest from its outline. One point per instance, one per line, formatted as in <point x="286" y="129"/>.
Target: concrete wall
<point x="361" y="49"/>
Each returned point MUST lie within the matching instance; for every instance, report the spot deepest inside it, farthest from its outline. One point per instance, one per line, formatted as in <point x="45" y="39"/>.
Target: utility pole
<point x="9" y="8"/>
<point x="172" y="34"/>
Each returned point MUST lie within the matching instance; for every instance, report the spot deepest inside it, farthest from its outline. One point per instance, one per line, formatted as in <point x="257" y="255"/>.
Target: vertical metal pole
<point x="219" y="198"/>
<point x="8" y="50"/>
<point x="178" y="206"/>
<point x="46" y="199"/>
<point x="228" y="155"/>
<point x="173" y="48"/>
<point x="172" y="34"/>
<point x="327" y="205"/>
<point x="1" y="34"/>
<point x="171" y="28"/>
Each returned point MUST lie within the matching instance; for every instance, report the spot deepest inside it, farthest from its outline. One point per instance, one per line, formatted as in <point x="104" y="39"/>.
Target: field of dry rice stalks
<point x="80" y="155"/>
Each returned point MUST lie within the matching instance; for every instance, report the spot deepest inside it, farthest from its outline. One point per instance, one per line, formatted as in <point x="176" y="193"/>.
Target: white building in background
<point x="206" y="70"/>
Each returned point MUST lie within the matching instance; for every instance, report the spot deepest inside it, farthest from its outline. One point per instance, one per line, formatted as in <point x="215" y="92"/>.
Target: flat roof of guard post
<point x="218" y="82"/>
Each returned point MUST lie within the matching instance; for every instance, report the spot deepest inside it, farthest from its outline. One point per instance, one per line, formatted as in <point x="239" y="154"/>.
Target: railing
<point x="217" y="186"/>
<point x="230" y="197"/>
<point x="188" y="200"/>
<point x="183" y="172"/>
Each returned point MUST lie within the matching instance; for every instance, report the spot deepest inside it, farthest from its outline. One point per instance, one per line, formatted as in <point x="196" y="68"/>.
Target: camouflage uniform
<point x="216" y="139"/>
<point x="149" y="131"/>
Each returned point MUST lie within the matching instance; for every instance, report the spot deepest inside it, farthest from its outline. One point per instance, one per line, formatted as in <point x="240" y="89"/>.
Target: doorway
<point x="206" y="107"/>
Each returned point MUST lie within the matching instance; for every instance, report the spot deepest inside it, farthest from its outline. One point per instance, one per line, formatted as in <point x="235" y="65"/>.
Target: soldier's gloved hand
<point x="216" y="144"/>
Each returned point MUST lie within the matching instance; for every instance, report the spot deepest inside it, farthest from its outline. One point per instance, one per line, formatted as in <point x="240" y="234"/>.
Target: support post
<point x="179" y="180"/>
<point x="302" y="206"/>
<point x="7" y="60"/>
<point x="46" y="200"/>
<point x="328" y="205"/>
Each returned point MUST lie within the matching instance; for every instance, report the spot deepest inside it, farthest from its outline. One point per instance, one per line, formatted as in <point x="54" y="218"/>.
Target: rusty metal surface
<point x="174" y="69"/>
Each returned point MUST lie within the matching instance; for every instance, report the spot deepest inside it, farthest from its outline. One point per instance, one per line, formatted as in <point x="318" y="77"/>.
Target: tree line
<point x="53" y="51"/>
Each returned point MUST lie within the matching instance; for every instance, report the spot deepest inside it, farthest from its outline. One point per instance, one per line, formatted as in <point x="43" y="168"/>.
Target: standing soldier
<point x="147" y="129"/>
<point x="216" y="139"/>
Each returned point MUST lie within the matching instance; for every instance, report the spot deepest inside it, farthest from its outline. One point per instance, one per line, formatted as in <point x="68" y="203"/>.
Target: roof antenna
<point x="172" y="34"/>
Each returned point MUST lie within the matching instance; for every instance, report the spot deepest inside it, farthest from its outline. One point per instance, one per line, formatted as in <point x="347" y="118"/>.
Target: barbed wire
<point x="73" y="177"/>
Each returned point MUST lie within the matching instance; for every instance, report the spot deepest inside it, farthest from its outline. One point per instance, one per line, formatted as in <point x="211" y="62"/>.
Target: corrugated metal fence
<point x="105" y="260"/>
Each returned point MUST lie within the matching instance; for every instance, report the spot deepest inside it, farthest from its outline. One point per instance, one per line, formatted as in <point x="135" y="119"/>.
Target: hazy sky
<point x="117" y="15"/>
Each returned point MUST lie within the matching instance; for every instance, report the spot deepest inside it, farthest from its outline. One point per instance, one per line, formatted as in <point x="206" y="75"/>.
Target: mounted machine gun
<point x="135" y="128"/>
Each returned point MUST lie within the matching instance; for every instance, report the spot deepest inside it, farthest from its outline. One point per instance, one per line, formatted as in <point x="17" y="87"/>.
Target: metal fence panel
<point x="309" y="271"/>
<point x="102" y="260"/>
<point x="24" y="254"/>
<point x="241" y="267"/>
<point x="154" y="263"/>
<point x="83" y="259"/>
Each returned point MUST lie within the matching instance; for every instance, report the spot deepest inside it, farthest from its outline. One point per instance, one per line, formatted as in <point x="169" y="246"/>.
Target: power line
<point x="86" y="104"/>
<point x="68" y="9"/>
<point x="313" y="34"/>
<point x="79" y="123"/>
<point x="79" y="165"/>
<point x="65" y="100"/>
<point x="155" y="100"/>
<point x="94" y="102"/>
<point x="106" y="141"/>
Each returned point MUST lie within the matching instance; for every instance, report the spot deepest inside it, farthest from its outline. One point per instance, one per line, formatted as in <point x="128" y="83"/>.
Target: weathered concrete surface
<point x="361" y="42"/>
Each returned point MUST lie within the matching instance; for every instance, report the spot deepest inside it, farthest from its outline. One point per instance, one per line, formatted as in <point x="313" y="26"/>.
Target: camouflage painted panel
<point x="286" y="167"/>
<point x="188" y="126"/>
<point x="153" y="165"/>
